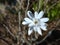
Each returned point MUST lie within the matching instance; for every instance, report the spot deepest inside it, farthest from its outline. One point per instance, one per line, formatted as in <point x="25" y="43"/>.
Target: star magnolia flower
<point x="35" y="22"/>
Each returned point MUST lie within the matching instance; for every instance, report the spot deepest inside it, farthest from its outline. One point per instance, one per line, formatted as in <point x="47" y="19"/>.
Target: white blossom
<point x="35" y="22"/>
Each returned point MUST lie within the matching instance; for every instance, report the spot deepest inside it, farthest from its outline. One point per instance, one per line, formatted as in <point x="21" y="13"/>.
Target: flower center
<point x="36" y="21"/>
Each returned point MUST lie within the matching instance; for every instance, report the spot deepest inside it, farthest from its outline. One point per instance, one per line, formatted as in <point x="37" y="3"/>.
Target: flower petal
<point x="43" y="27"/>
<point x="30" y="14"/>
<point x="30" y="31"/>
<point x="39" y="30"/>
<point x="31" y="24"/>
<point x="35" y="28"/>
<point x="25" y="23"/>
<point x="40" y="14"/>
<point x="28" y="20"/>
<point x="44" y="19"/>
<point x="42" y="23"/>
<point x="36" y="14"/>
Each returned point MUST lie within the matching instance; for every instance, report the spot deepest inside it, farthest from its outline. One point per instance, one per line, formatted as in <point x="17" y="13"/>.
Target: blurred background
<point x="12" y="13"/>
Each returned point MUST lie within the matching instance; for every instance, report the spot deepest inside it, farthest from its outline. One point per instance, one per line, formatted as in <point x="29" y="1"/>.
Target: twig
<point x="9" y="31"/>
<point x="52" y="5"/>
<point x="44" y="37"/>
<point x="19" y="17"/>
<point x="19" y="2"/>
<point x="58" y="39"/>
<point x="6" y="41"/>
<point x="19" y="29"/>
<point x="19" y="14"/>
<point x="45" y="3"/>
<point x="39" y="4"/>
<point x="27" y="8"/>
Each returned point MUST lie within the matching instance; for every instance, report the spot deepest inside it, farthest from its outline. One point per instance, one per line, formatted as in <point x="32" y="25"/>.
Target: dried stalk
<point x="27" y="8"/>
<point x="39" y="5"/>
<point x="19" y="17"/>
<point x="52" y="5"/>
<point x="9" y="31"/>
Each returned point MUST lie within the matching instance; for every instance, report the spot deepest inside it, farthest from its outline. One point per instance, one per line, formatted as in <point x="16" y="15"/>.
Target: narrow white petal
<point x="27" y="20"/>
<point x="43" y="27"/>
<point x="42" y="23"/>
<point x="31" y="24"/>
<point x="30" y="15"/>
<point x="39" y="30"/>
<point x="44" y="19"/>
<point x="41" y="14"/>
<point x="36" y="14"/>
<point x="30" y="31"/>
<point x="35" y="28"/>
<point x="24" y="23"/>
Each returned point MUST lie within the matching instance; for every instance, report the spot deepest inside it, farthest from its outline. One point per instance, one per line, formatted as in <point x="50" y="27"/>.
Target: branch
<point x="9" y="31"/>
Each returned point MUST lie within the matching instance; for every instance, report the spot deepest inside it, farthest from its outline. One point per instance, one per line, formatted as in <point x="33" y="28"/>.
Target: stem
<point x="38" y="5"/>
<point x="27" y="8"/>
<point x="19" y="30"/>
<point x="19" y="27"/>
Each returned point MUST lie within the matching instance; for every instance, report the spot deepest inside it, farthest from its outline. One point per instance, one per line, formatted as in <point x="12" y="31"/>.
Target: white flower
<point x="35" y="22"/>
